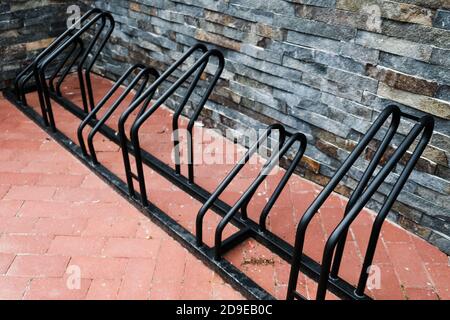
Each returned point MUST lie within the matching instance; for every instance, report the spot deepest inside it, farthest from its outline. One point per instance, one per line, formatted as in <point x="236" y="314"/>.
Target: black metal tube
<point x="281" y="185"/>
<point x="230" y="176"/>
<point x="87" y="72"/>
<point x="143" y="73"/>
<point x="371" y="189"/>
<point x="23" y="78"/>
<point x="175" y="118"/>
<point x="145" y="98"/>
<point x="268" y="166"/>
<point x="61" y="65"/>
<point x="84" y="83"/>
<point x="323" y="195"/>
<point x="428" y="124"/>
<point x="68" y="69"/>
<point x="105" y="99"/>
<point x="39" y="71"/>
<point x="244" y="207"/>
<point x="19" y="86"/>
<point x="138" y="122"/>
<point x="395" y="121"/>
<point x="197" y="112"/>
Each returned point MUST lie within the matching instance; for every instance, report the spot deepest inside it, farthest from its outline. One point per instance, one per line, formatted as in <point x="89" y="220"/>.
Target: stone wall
<point x="26" y="27"/>
<point x="324" y="67"/>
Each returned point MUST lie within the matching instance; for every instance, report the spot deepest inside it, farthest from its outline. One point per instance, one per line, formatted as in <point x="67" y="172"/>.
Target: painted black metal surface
<point x="366" y="187"/>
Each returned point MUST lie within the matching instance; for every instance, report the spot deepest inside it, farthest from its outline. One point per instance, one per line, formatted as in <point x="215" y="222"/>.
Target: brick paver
<point x="56" y="213"/>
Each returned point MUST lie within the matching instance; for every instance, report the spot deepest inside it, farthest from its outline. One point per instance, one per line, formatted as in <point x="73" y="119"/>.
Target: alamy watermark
<point x="209" y="149"/>
<point x="73" y="281"/>
<point x="374" y="279"/>
<point x="373" y="13"/>
<point x="73" y="21"/>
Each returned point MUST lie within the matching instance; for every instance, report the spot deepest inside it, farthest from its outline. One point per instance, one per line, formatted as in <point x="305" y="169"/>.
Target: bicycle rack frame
<point x="360" y="196"/>
<point x="143" y="74"/>
<point x="198" y="68"/>
<point x="242" y="203"/>
<point x="71" y="51"/>
<point x="71" y="37"/>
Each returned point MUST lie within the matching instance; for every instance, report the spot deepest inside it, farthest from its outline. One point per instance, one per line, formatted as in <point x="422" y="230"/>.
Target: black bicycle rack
<point x="142" y="76"/>
<point x="83" y="57"/>
<point x="366" y="187"/>
<point x="69" y="50"/>
<point x="239" y="210"/>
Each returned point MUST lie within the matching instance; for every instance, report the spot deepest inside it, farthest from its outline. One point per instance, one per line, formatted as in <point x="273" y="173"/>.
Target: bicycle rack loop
<point x="68" y="38"/>
<point x="242" y="203"/>
<point x="143" y="74"/>
<point x="360" y="196"/>
<point x="70" y="50"/>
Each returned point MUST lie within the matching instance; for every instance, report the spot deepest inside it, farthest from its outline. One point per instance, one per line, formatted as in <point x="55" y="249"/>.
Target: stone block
<point x="227" y="20"/>
<point x="261" y="53"/>
<point x="389" y="9"/>
<point x="441" y="57"/>
<point x="426" y="104"/>
<point x="39" y="44"/>
<point x="217" y="39"/>
<point x="418" y="68"/>
<point x="440" y="240"/>
<point x="417" y="33"/>
<point x="250" y="14"/>
<point x="317" y="3"/>
<point x="278" y="7"/>
<point x="402" y="81"/>
<point x="394" y="45"/>
<point x="318" y="28"/>
<point x="442" y="19"/>
<point x="339" y="62"/>
<point x="352" y="80"/>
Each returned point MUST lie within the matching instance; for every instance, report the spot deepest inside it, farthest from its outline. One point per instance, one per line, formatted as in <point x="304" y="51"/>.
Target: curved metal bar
<point x="19" y="87"/>
<point x="77" y="45"/>
<point x="82" y="82"/>
<point x="175" y="118"/>
<point x="105" y="99"/>
<point x="426" y="125"/>
<point x="138" y="123"/>
<point x="145" y="98"/>
<point x="39" y="71"/>
<point x="279" y="188"/>
<point x="244" y="208"/>
<point x="198" y="110"/>
<point x="68" y="68"/>
<point x="94" y="58"/>
<point x="60" y="65"/>
<point x="88" y="69"/>
<point x="391" y="110"/>
<point x="231" y="175"/>
<point x="23" y="79"/>
<point x="367" y="175"/>
<point x="268" y="166"/>
<point x="143" y="74"/>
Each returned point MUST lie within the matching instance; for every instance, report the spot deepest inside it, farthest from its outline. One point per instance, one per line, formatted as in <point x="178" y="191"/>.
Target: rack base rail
<point x="325" y="274"/>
